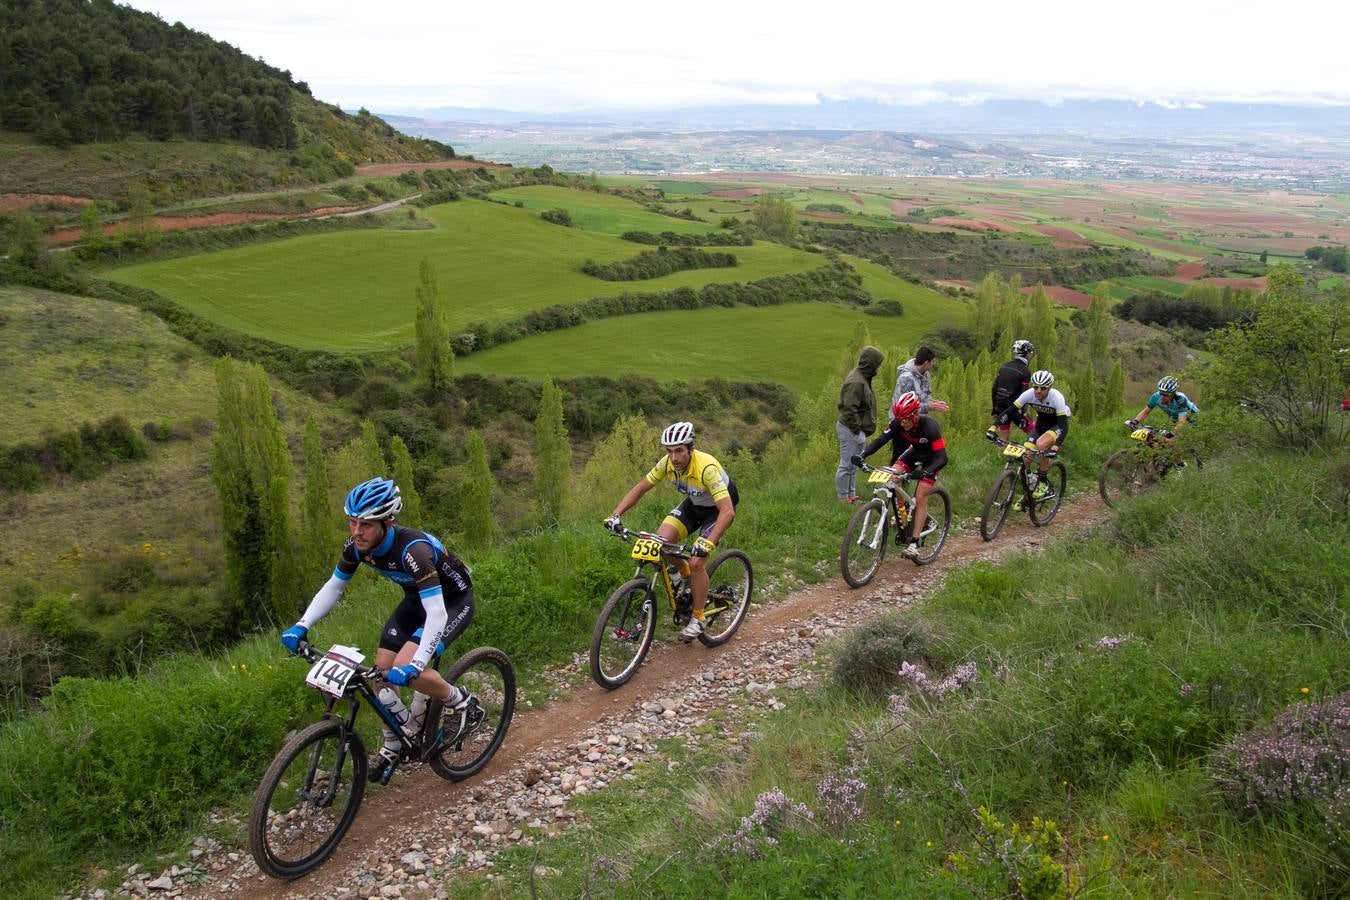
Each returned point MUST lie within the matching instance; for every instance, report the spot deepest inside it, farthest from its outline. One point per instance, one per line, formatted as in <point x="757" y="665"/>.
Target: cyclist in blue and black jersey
<point x="436" y="608"/>
<point x="1177" y="405"/>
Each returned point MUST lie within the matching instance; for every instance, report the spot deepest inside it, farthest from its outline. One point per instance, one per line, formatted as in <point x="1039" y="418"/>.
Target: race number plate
<point x="1014" y="451"/>
<point x="646" y="550"/>
<point x="880" y="476"/>
<point x="1141" y="434"/>
<point x="331" y="674"/>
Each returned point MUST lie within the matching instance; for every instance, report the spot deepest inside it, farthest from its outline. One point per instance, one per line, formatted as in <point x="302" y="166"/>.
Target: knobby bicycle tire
<point x="623" y="633"/>
<point x="487" y="674"/>
<point x="735" y="588"/>
<point x="997" y="504"/>
<point x="931" y="546"/>
<point x="1043" y="510"/>
<point x="861" y="554"/>
<point x="306" y="777"/>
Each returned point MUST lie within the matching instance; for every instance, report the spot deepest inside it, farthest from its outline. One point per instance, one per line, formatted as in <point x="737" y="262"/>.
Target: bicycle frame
<point x="663" y="566"/>
<point x="900" y="502"/>
<point x="1021" y="459"/>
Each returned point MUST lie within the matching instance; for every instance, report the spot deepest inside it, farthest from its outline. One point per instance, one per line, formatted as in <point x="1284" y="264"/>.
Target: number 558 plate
<point x="331" y="673"/>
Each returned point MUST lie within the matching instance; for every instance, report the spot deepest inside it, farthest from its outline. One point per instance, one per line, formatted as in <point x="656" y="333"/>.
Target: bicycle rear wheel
<point x="467" y="740"/>
<point x="997" y="505"/>
<point x="864" y="544"/>
<point x="307" y="799"/>
<point x="940" y="516"/>
<point x="623" y="634"/>
<point x="1123" y="475"/>
<point x="1044" y="509"/>
<point x="730" y="585"/>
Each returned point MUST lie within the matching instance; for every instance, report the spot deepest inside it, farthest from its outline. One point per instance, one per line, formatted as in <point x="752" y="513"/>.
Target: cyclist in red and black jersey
<point x="916" y="443"/>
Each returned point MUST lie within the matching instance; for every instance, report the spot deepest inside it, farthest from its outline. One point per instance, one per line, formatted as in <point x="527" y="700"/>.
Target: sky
<point x="608" y="55"/>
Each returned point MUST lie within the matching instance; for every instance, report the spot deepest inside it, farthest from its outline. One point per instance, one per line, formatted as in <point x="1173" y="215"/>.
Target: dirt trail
<point x="400" y="817"/>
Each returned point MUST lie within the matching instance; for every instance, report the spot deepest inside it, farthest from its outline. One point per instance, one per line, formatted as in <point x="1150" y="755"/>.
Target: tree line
<point x="658" y="262"/>
<point x="77" y="71"/>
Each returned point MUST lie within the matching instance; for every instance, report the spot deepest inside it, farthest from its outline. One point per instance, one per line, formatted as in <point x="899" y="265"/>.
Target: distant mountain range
<point x="1306" y="147"/>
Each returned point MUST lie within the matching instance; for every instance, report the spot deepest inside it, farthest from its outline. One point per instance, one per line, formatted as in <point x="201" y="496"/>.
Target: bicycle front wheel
<point x="623" y="634"/>
<point x="997" y="505"/>
<point x="467" y="739"/>
<point x="936" y="524"/>
<point x="307" y="799"/>
<point x="864" y="544"/>
<point x="1123" y="475"/>
<point x="730" y="584"/>
<point x="1043" y="509"/>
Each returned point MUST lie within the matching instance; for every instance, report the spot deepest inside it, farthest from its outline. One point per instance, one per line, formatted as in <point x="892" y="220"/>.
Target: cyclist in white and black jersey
<point x="1050" y="426"/>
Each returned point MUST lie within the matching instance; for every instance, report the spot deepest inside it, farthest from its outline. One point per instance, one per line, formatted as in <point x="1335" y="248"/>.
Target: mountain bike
<point x="1132" y="470"/>
<point x="1005" y="494"/>
<point x="627" y="623"/>
<point x="311" y="792"/>
<point x="891" y="506"/>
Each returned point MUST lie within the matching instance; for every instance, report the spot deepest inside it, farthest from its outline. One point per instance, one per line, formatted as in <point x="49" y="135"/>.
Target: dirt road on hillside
<point x="402" y="845"/>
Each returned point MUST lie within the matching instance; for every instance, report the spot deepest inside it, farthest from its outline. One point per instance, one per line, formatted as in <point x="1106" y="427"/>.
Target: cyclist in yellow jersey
<point x="708" y="507"/>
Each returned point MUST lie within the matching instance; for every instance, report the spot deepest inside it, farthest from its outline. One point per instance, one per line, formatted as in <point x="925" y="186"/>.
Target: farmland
<point x="354" y="292"/>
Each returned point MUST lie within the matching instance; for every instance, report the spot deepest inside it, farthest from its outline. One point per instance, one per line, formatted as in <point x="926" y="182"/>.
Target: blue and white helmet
<point x="1167" y="385"/>
<point x="374" y="500"/>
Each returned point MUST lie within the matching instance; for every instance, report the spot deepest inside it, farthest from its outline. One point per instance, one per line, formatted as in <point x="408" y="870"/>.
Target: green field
<point x="67" y="360"/>
<point x="1149" y="283"/>
<point x="796" y="345"/>
<point x="601" y="213"/>
<point x="355" y="291"/>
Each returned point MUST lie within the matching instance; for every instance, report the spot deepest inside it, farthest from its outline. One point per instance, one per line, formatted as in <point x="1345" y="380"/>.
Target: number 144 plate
<point x="331" y="674"/>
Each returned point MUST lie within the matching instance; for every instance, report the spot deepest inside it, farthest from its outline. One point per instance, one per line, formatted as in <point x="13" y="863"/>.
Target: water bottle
<point x="389" y="697"/>
<point x="418" y="712"/>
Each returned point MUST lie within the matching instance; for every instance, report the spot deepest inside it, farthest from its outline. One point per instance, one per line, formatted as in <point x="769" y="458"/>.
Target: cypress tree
<point x="1041" y="330"/>
<point x="252" y="469"/>
<point x="553" y="456"/>
<point x="1113" y="401"/>
<point x="374" y="456"/>
<point x="318" y="533"/>
<point x="476" y="495"/>
<point x="1099" y="324"/>
<point x="435" y="358"/>
<point x="402" y="465"/>
<point x="1085" y="402"/>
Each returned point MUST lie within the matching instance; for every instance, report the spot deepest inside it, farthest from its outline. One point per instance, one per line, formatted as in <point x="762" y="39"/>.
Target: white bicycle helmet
<point x="1042" y="378"/>
<point x="1167" y="385"/>
<point x="1023" y="349"/>
<point x="680" y="434"/>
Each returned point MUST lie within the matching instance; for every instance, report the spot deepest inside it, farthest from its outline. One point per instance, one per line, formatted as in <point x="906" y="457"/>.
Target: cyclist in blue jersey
<point x="436" y="608"/>
<point x="1177" y="405"/>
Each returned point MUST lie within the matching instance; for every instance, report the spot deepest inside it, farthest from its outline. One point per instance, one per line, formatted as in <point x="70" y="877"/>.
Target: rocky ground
<point x="588" y="741"/>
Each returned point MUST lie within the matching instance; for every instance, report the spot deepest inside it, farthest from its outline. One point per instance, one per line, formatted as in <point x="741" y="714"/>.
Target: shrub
<point x="886" y="307"/>
<point x="871" y="657"/>
<point x="557" y="216"/>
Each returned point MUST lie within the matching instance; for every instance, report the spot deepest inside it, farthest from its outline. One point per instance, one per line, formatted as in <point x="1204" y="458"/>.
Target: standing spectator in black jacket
<point x="1011" y="381"/>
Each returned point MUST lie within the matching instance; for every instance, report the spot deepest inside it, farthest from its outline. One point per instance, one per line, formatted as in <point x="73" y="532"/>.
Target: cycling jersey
<point x="1052" y="413"/>
<point x="1181" y="405"/>
<point x="437" y="590"/>
<point x="703" y="481"/>
<point x="1012" y="380"/>
<point x="922" y="447"/>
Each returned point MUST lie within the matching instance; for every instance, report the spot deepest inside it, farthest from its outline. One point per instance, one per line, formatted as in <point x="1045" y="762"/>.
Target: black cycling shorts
<point x="405" y="623"/>
<point x="689" y="518"/>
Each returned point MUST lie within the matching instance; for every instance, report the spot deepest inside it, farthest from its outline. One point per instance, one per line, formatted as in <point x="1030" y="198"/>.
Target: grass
<point x="600" y="213"/>
<point x="1107" y="743"/>
<point x="66" y="360"/>
<point x="355" y="292"/>
<point x="797" y="345"/>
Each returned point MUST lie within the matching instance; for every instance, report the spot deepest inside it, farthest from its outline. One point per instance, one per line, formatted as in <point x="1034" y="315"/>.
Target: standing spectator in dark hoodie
<point x="857" y="419"/>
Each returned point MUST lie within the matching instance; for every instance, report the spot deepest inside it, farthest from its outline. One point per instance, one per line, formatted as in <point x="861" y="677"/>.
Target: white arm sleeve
<point x="433" y="628"/>
<point x="323" y="601"/>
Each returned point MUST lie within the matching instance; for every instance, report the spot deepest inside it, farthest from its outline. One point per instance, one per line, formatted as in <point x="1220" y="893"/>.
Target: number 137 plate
<point x="331" y="674"/>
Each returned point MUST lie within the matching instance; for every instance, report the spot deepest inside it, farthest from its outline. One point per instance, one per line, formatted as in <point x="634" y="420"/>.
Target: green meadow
<point x="602" y="213"/>
<point x="798" y="345"/>
<point x="66" y="360"/>
<point x="355" y="291"/>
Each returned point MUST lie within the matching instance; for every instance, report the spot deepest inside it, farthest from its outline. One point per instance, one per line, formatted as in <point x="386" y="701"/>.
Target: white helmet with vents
<point x="680" y="434"/>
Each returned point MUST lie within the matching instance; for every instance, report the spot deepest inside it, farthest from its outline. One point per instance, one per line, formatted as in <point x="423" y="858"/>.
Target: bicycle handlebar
<point x="911" y="474"/>
<point x="309" y="653"/>
<point x="1031" y="451"/>
<point x="670" y="548"/>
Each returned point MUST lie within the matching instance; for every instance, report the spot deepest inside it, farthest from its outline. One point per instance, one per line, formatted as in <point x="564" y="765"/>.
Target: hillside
<point x="99" y="73"/>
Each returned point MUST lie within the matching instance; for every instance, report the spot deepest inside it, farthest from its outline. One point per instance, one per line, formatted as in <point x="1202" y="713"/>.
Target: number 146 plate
<point x="331" y="674"/>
